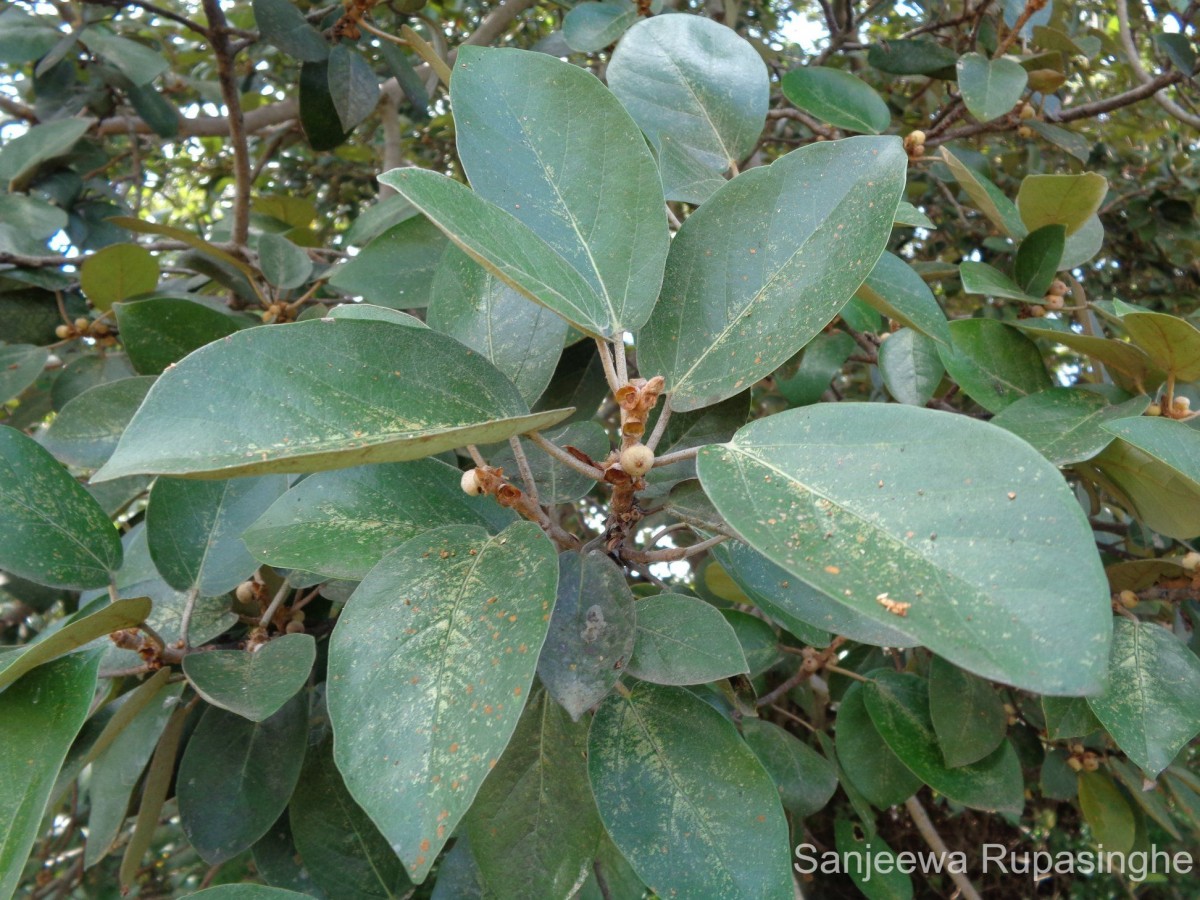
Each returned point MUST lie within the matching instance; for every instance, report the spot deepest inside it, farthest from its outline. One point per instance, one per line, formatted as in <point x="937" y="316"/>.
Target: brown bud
<point x="1053" y="301"/>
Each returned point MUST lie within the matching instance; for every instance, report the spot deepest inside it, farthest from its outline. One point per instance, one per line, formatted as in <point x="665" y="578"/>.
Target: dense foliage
<point x="603" y="450"/>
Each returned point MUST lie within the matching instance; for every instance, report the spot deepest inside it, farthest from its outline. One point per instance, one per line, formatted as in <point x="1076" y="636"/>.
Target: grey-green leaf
<point x="588" y="27"/>
<point x="895" y="289"/>
<point x="990" y="87"/>
<point x="536" y="137"/>
<point x="1151" y="705"/>
<point x="838" y="97"/>
<point x="683" y="640"/>
<point x="910" y="366"/>
<point x="993" y="364"/>
<point x="881" y="504"/>
<point x="698" y="90"/>
<point x="20" y="365"/>
<point x="281" y="23"/>
<point x="342" y="393"/>
<point x="341" y="523"/>
<point x="253" y="684"/>
<point x="967" y="714"/>
<point x="86" y="430"/>
<point x="591" y="632"/>
<point x="534" y="826"/>
<point x="283" y="264"/>
<point x="396" y="269"/>
<point x="870" y="766"/>
<point x="695" y="818"/>
<point x="767" y="262"/>
<point x="1067" y="425"/>
<point x="806" y="780"/>
<point x="236" y="777"/>
<point x="429" y="668"/>
<point x="55" y="533"/>
<point x="158" y="331"/>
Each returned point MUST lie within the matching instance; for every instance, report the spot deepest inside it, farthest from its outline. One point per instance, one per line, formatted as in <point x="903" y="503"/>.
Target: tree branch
<point x="1140" y="73"/>
<point x="925" y="825"/>
<point x="218" y="33"/>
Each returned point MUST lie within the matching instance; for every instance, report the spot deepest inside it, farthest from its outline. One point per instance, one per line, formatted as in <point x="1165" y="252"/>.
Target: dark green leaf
<point x="88" y="371"/>
<point x="352" y="85"/>
<point x="966" y="712"/>
<point x="278" y="861"/>
<point x="195" y="529"/>
<point x="806" y="780"/>
<point x="1151" y="705"/>
<point x="855" y="499"/>
<point x="86" y="430"/>
<point x="1068" y="717"/>
<point x="990" y="87"/>
<point x="695" y="818"/>
<point x="993" y="364"/>
<point x="1178" y="49"/>
<point x="341" y="523"/>
<point x="21" y="156"/>
<point x="873" y="769"/>
<point x="822" y="361"/>
<point x="55" y="533"/>
<point x="236" y="777"/>
<point x="911" y="57"/>
<point x="155" y="109"/>
<point x="980" y="278"/>
<point x="343" y="393"/>
<point x="281" y="23"/>
<point x="871" y="864"/>
<point x="682" y="640"/>
<point x="421" y="717"/>
<point x="1107" y="812"/>
<point x="253" y="684"/>
<point x="698" y="91"/>
<point x="837" y="97"/>
<point x="910" y="366"/>
<point x="42" y="713"/>
<point x="988" y="198"/>
<point x="895" y="289"/>
<point x="1038" y="258"/>
<point x="159" y="331"/>
<point x="745" y="290"/>
<point x="533" y="133"/>
<point x="20" y="366"/>
<point x="318" y="114"/>
<point x="534" y="826"/>
<point x="899" y="707"/>
<point x="1066" y="424"/>
<point x="397" y="268"/>
<point x="283" y="264"/>
<point x="591" y="632"/>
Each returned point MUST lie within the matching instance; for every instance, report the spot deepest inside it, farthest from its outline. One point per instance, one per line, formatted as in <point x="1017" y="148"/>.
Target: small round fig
<point x="470" y="483"/>
<point x="637" y="460"/>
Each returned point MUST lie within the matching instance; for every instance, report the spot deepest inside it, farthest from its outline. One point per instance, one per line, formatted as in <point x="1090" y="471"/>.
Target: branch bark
<point x="218" y="32"/>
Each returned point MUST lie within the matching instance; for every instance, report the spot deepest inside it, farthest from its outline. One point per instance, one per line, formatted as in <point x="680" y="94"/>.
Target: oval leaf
<point x="87" y="429"/>
<point x="895" y="289"/>
<point x="990" y="87"/>
<point x="683" y="640"/>
<point x="966" y="712"/>
<point x="837" y="97"/>
<point x="995" y="365"/>
<point x="879" y="505"/>
<point x="253" y="684"/>
<point x="910" y="366"/>
<point x="429" y="668"/>
<point x="159" y="331"/>
<point x="1067" y="425"/>
<point x="763" y="266"/>
<point x="1068" y="200"/>
<point x="870" y="766"/>
<point x="117" y="272"/>
<point x="343" y="393"/>
<point x="806" y="780"/>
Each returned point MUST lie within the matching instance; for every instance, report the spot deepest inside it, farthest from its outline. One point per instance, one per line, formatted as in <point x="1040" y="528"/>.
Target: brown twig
<point x="218" y="35"/>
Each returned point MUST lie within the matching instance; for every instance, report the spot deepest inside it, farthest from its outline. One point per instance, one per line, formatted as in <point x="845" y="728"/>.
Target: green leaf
<point x="534" y="826"/>
<point x="72" y="636"/>
<point x="1151" y="705"/>
<point x="806" y="780"/>
<point x="20" y="366"/>
<point x="278" y="861"/>
<point x="520" y="338"/>
<point x="534" y="133"/>
<point x="1178" y="49"/>
<point x="195" y="529"/>
<point x="33" y="218"/>
<point x="504" y="245"/>
<point x="980" y="278"/>
<point x="86" y="430"/>
<point x="1173" y="343"/>
<point x="910" y="367"/>
<point x="909" y="215"/>
<point x="557" y="482"/>
<point x="591" y="632"/>
<point x="159" y="331"/>
<point x="419" y="716"/>
<point x="1067" y="200"/>
<point x="986" y="196"/>
<point x="1118" y="356"/>
<point x="695" y="818"/>
<point x="21" y="156"/>
<point x="822" y="361"/>
<point x="282" y="24"/>
<point x="1107" y="812"/>
<point x="25" y="38"/>
<point x="995" y="365"/>
<point x="1066" y="425"/>
<point x="899" y="706"/>
<point x="1154" y="465"/>
<point x="397" y="268"/>
<point x="700" y="93"/>
<point x="947" y="502"/>
<point x="55" y="533"/>
<point x="990" y="87"/>
<point x="760" y="643"/>
<point x="255" y="685"/>
<point x="1077" y="145"/>
<point x="682" y="640"/>
<point x="589" y="27"/>
<point x="116" y="273"/>
<point x="1068" y="717"/>
<point x="236" y="777"/>
<point x="764" y="265"/>
<point x="42" y="714"/>
<point x="870" y="766"/>
<point x="375" y="314"/>
<point x="341" y="847"/>
<point x="134" y="60"/>
<point x="895" y="289"/>
<point x="142" y="226"/>
<point x="966" y="712"/>
<point x="117" y="770"/>
<point x="884" y="879"/>
<point x="341" y="523"/>
<point x="1039" y="257"/>
<point x="88" y="371"/>
<point x="246" y="892"/>
<point x="283" y="264"/>
<point x="352" y="85"/>
<point x="318" y="114"/>
<point x="786" y="599"/>
<point x="343" y="393"/>
<point x="837" y="97"/>
<point x="911" y="57"/>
